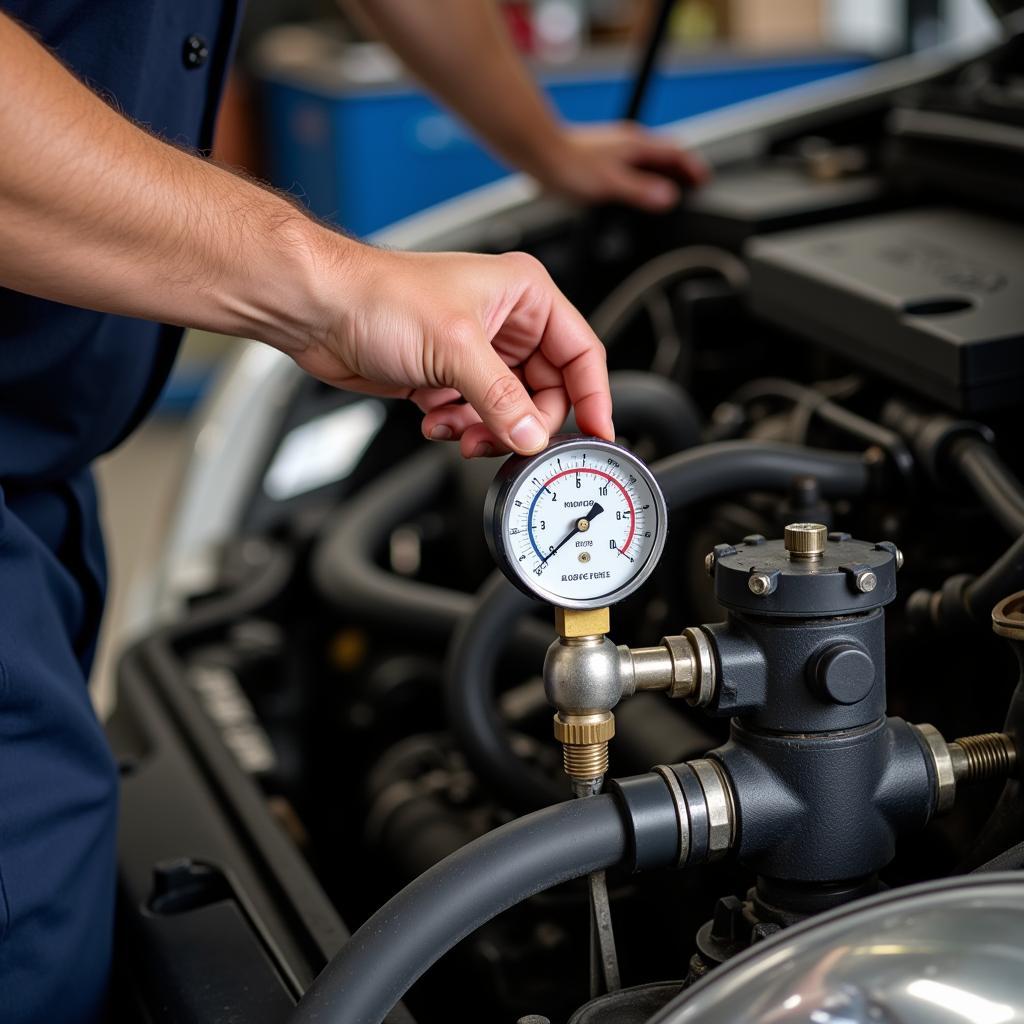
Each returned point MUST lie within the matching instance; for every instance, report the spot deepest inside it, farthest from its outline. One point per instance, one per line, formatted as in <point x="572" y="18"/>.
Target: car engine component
<point x="720" y="722"/>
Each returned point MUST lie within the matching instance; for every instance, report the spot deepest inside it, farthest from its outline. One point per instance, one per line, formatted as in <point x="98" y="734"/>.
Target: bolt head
<point x="897" y="555"/>
<point x="866" y="581"/>
<point x="760" y="584"/>
<point x="709" y="563"/>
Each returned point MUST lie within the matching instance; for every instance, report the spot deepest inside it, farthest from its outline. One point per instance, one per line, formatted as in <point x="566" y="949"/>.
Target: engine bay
<point x="820" y="356"/>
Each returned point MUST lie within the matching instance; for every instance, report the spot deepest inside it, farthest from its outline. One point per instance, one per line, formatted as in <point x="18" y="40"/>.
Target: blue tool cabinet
<point x="365" y="155"/>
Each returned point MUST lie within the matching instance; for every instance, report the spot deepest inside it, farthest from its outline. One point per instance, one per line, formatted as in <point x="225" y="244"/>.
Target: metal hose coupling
<point x="678" y="814"/>
<point x="586" y="675"/>
<point x="969" y="759"/>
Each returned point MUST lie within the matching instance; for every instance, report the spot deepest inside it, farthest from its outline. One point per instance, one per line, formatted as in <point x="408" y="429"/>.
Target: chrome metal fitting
<point x="583" y="675"/>
<point x="720" y="805"/>
<point x="705" y="673"/>
<point x="682" y="811"/>
<point x="942" y="762"/>
<point x="681" y="666"/>
<point x="705" y="809"/>
<point x="990" y="755"/>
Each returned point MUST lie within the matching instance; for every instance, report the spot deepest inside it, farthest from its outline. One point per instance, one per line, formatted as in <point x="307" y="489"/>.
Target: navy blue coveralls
<point x="73" y="383"/>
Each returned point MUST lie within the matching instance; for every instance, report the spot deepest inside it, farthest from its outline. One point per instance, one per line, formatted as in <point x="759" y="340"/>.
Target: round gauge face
<point x="580" y="525"/>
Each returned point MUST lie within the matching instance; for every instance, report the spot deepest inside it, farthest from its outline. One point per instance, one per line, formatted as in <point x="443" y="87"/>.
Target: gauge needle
<point x="596" y="510"/>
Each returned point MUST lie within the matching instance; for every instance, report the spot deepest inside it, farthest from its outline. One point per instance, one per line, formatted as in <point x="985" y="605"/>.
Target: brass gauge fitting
<point x="584" y="740"/>
<point x="805" y="541"/>
<point x="584" y="732"/>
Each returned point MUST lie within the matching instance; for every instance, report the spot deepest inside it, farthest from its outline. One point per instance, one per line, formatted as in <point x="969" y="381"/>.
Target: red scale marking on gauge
<point x="610" y="479"/>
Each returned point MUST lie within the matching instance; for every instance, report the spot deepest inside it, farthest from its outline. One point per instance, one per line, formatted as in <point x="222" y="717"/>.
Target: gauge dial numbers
<point x="580" y="525"/>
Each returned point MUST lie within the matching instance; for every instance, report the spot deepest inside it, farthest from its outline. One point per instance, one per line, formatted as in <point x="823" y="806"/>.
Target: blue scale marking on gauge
<point x="529" y="520"/>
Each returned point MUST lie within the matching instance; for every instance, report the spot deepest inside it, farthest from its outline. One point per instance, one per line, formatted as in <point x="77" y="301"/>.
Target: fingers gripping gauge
<point x="580" y="525"/>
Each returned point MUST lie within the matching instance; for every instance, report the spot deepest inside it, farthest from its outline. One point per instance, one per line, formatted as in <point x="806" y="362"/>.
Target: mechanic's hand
<point x="440" y="328"/>
<point x="620" y="162"/>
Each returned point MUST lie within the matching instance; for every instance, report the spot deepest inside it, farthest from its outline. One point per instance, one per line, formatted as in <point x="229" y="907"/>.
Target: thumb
<point x="501" y="401"/>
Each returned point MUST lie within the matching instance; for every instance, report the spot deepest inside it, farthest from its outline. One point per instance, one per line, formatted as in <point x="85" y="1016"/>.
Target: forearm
<point x="461" y="51"/>
<point x="96" y="212"/>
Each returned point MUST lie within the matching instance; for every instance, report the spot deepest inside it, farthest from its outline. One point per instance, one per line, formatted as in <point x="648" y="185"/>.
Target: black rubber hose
<point x="726" y="467"/>
<point x="815" y="402"/>
<point x="342" y="564"/>
<point x="992" y="481"/>
<point x="712" y="470"/>
<point x="1004" y="577"/>
<point x="964" y="602"/>
<point x="465" y="890"/>
<point x="343" y="567"/>
<point x="648" y="405"/>
<point x="947" y="447"/>
<point x="472" y="706"/>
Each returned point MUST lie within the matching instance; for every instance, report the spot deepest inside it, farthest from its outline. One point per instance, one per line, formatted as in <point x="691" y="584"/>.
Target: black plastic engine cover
<point x="933" y="297"/>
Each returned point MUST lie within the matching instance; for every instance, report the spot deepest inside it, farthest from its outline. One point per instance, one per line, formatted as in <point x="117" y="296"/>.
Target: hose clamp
<point x="721" y="806"/>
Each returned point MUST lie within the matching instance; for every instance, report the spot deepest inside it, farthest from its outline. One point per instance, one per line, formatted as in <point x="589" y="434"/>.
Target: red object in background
<point x="519" y="20"/>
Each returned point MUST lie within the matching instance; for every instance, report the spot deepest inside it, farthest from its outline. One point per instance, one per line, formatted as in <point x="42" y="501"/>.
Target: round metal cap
<point x="805" y="540"/>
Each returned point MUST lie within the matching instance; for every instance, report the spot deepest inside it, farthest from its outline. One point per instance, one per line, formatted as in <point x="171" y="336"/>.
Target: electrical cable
<point x="628" y="298"/>
<point x="817" y="402"/>
<point x="648" y="60"/>
<point x="469" y="887"/>
<point x="992" y="481"/>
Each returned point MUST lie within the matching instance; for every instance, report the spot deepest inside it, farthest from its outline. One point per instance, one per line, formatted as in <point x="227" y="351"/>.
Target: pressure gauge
<point x="580" y="525"/>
